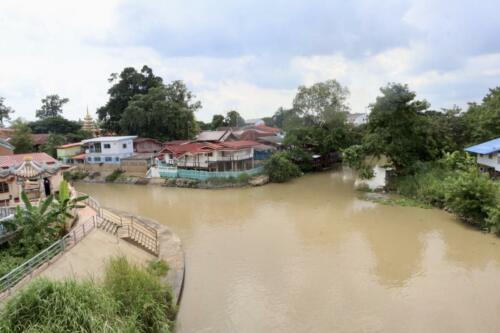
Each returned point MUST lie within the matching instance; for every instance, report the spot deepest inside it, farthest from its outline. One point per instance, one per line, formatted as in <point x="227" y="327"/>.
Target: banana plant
<point x="64" y="204"/>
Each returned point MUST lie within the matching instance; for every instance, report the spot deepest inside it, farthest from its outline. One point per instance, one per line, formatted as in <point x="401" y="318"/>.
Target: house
<point x="37" y="174"/>
<point x="71" y="153"/>
<point x="238" y="155"/>
<point x="147" y="145"/>
<point x="6" y="148"/>
<point x="487" y="156"/>
<point x="108" y="149"/>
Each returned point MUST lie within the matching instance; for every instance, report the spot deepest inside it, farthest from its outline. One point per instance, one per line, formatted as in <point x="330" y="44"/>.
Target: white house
<point x="488" y="156"/>
<point x="108" y="149"/>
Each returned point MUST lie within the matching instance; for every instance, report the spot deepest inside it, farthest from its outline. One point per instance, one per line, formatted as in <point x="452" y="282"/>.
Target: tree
<point x="129" y="83"/>
<point x="321" y="101"/>
<point x="280" y="169"/>
<point x="218" y="120"/>
<point x="51" y="106"/>
<point x="234" y="119"/>
<point x="35" y="224"/>
<point x="483" y="119"/>
<point x="165" y="112"/>
<point x="21" y="139"/>
<point x="56" y="124"/>
<point x="397" y="127"/>
<point x="5" y="112"/>
<point x="65" y="206"/>
<point x="53" y="141"/>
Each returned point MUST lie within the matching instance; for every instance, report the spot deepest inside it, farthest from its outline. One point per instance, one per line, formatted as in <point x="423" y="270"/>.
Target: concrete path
<point x="88" y="258"/>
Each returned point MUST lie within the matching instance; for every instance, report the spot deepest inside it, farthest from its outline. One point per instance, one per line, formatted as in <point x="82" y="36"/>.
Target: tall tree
<point x="165" y="112"/>
<point x="322" y="101"/>
<point x="51" y="106"/>
<point x="234" y="119"/>
<point x="218" y="120"/>
<point x="55" y="124"/>
<point x="53" y="141"/>
<point x="397" y="127"/>
<point x="21" y="139"/>
<point x="484" y="119"/>
<point x="5" y="112"/>
<point x="125" y="86"/>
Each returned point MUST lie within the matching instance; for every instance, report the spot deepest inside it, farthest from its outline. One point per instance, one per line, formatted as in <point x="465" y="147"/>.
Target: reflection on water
<point x="308" y="256"/>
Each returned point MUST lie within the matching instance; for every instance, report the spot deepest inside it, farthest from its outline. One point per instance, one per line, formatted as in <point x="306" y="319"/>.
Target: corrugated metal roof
<point x="110" y="138"/>
<point x="487" y="147"/>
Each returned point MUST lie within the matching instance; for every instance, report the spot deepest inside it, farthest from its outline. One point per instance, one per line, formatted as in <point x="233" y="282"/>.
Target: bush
<point x="47" y="306"/>
<point x="74" y="175"/>
<point x="243" y="178"/>
<point x="471" y="195"/>
<point x="130" y="300"/>
<point x="280" y="169"/>
<point x="140" y="295"/>
<point x="114" y="175"/>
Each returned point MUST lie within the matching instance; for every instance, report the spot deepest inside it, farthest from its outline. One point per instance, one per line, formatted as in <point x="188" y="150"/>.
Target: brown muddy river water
<point x="308" y="256"/>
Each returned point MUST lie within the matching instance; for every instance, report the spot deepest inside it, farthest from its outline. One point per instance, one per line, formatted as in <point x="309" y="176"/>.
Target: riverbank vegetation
<point x="36" y="226"/>
<point x="130" y="299"/>
<point x="424" y="149"/>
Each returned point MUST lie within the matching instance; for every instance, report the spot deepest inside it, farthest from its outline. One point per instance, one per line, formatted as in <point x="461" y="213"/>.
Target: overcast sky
<point x="248" y="55"/>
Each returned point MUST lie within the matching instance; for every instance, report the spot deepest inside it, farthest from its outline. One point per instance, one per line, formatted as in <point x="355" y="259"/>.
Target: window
<point x="107" y="146"/>
<point x="209" y="154"/>
<point x="124" y="146"/>
<point x="108" y="159"/>
<point x="89" y="159"/>
<point x="4" y="187"/>
<point x="97" y="159"/>
<point x="117" y="159"/>
<point x="490" y="156"/>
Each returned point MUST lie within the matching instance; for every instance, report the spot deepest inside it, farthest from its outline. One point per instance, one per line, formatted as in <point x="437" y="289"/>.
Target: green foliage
<point x="355" y="158"/>
<point x="234" y="119"/>
<point x="21" y="138"/>
<point x="127" y="84"/>
<point x="280" y="169"/>
<point x="141" y="296"/>
<point x="36" y="224"/>
<point x="165" y="112"/>
<point x="64" y="205"/>
<point x="243" y="178"/>
<point x="158" y="267"/>
<point x="130" y="300"/>
<point x="53" y="141"/>
<point x="56" y="124"/>
<point x="51" y="106"/>
<point x="218" y="120"/>
<point x="114" y="175"/>
<point x="49" y="306"/>
<point x="483" y="120"/>
<point x="396" y="128"/>
<point x="471" y="195"/>
<point x="75" y="175"/>
<point x="323" y="101"/>
<point x="5" y="112"/>
<point x="301" y="157"/>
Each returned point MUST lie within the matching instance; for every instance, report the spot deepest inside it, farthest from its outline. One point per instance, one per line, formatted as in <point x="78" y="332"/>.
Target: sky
<point x="248" y="55"/>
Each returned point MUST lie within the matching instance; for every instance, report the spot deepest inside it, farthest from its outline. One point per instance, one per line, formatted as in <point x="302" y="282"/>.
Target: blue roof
<point x="484" y="148"/>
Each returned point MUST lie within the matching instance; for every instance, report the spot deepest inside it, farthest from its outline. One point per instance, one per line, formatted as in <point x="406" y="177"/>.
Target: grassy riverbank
<point x="452" y="183"/>
<point x="130" y="299"/>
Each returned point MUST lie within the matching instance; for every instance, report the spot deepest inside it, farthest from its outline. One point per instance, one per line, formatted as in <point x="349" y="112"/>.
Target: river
<point x="309" y="256"/>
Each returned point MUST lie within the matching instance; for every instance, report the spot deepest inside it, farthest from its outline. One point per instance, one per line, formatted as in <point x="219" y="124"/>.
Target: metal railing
<point x="15" y="276"/>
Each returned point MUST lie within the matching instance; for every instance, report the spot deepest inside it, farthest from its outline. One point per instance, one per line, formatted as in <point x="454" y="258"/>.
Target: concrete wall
<point x="492" y="160"/>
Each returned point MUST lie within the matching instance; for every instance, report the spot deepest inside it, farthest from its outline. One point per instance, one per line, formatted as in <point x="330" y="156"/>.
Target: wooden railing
<point x="11" y="279"/>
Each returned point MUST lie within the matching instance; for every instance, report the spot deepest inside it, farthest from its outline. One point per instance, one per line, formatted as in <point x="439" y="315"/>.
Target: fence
<point x="170" y="172"/>
<point x="132" y="228"/>
<point x="11" y="279"/>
